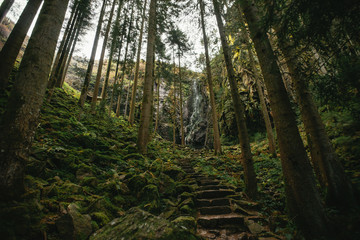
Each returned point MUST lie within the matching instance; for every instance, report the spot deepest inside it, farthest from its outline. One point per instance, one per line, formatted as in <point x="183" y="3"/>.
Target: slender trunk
<point x="264" y="109"/>
<point x="133" y="95"/>
<point x="174" y="104"/>
<point x="70" y="56"/>
<point x="55" y="66"/>
<point x="21" y="116"/>
<point x="85" y="87"/>
<point x="127" y="97"/>
<point x="117" y="68"/>
<point x="247" y="162"/>
<point x="124" y="64"/>
<point x="145" y="118"/>
<point x="111" y="53"/>
<point x="13" y="44"/>
<point x="158" y="101"/>
<point x="217" y="143"/>
<point x="181" y="107"/>
<point x="330" y="171"/>
<point x="303" y="200"/>
<point x="4" y="8"/>
<point x="101" y="61"/>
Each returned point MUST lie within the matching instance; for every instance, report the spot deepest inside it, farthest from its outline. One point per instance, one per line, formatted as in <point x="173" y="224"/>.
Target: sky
<point x="188" y="23"/>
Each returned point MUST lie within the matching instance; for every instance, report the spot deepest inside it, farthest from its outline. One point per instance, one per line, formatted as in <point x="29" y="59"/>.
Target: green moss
<point x="186" y="221"/>
<point x="100" y="218"/>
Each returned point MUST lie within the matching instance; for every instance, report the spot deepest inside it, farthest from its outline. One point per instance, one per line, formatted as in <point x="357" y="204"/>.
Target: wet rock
<point x="139" y="224"/>
<point x="74" y="225"/>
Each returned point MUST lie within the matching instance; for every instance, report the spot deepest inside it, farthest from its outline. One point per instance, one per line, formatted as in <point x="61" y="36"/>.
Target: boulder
<point x="74" y="225"/>
<point x="139" y="224"/>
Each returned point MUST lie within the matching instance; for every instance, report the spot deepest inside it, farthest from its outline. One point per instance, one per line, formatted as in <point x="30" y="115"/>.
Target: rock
<point x="149" y="193"/>
<point x="74" y="225"/>
<point x="136" y="183"/>
<point x="100" y="218"/>
<point x="186" y="222"/>
<point x="139" y="224"/>
<point x="254" y="227"/>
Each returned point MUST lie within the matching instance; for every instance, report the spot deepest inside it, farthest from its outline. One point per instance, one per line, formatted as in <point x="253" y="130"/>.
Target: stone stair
<point x="218" y="215"/>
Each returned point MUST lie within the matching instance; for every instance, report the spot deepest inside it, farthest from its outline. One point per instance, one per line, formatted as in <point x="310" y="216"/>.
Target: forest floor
<point x="85" y="176"/>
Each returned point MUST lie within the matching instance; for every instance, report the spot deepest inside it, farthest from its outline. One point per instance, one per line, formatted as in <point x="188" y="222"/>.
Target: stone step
<point x="208" y="194"/>
<point x="213" y="202"/>
<point x="230" y="220"/>
<point x="214" y="187"/>
<point x="211" y="182"/>
<point x="216" y="210"/>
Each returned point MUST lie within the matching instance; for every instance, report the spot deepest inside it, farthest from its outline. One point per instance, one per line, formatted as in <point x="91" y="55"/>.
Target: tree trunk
<point x="303" y="200"/>
<point x="158" y="101"/>
<point x="217" y="143"/>
<point x="264" y="110"/>
<point x="330" y="171"/>
<point x="127" y="96"/>
<point x="133" y="95"/>
<point x="4" y="8"/>
<point x="174" y="104"/>
<point x="181" y="107"/>
<point x="112" y="49"/>
<point x="101" y="61"/>
<point x="85" y="87"/>
<point x="13" y="44"/>
<point x="21" y="116"/>
<point x="145" y="118"/>
<point x="124" y="64"/>
<point x="247" y="162"/>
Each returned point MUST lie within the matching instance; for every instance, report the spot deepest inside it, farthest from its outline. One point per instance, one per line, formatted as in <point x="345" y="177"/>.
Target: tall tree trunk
<point x="264" y="110"/>
<point x="174" y="104"/>
<point x="127" y="96"/>
<point x="303" y="200"/>
<point x="158" y="100"/>
<point x="101" y="61"/>
<point x="85" y="87"/>
<point x="13" y="44"/>
<point x="330" y="171"/>
<point x="181" y="107"/>
<point x="4" y="8"/>
<point x="71" y="54"/>
<point x="246" y="156"/>
<point x="111" y="53"/>
<point x="137" y="66"/>
<point x="145" y="117"/>
<point x="70" y="24"/>
<point x="124" y="64"/>
<point x="21" y="116"/>
<point x="217" y="143"/>
<point x="117" y="67"/>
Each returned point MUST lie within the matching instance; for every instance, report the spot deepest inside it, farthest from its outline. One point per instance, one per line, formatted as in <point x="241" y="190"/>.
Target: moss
<point x="136" y="183"/>
<point x="149" y="193"/>
<point x="186" y="221"/>
<point x="100" y="218"/>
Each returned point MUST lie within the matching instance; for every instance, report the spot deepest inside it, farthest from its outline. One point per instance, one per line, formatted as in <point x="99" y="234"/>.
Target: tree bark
<point x="174" y="104"/>
<point x="21" y="116"/>
<point x="303" y="200"/>
<point x="145" y="117"/>
<point x="330" y="172"/>
<point x="85" y="87"/>
<point x="4" y="8"/>
<point x="13" y="44"/>
<point x="137" y="66"/>
<point x="101" y="61"/>
<point x="264" y="110"/>
<point x="217" y="143"/>
<point x="247" y="162"/>
<point x="181" y="107"/>
<point x="158" y="100"/>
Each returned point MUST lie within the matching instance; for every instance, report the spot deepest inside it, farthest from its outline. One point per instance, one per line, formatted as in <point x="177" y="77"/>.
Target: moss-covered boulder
<point x="186" y="222"/>
<point x="139" y="224"/>
<point x="136" y="183"/>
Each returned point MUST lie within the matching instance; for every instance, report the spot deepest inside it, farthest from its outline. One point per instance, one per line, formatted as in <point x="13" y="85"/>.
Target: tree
<point x="145" y="117"/>
<point x="4" y="8"/>
<point x="85" y="87"/>
<point x="13" y="44"/>
<point x="21" y="116"/>
<point x="217" y="143"/>
<point x="247" y="162"/>
<point x="136" y="76"/>
<point x="303" y="200"/>
<point x="101" y="61"/>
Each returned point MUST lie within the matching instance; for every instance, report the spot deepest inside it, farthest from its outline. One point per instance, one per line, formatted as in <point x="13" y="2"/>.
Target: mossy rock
<point x="149" y="193"/>
<point x="187" y="210"/>
<point x="100" y="218"/>
<point x="139" y="224"/>
<point x="136" y="183"/>
<point x="186" y="195"/>
<point x="104" y="205"/>
<point x="189" y="201"/>
<point x="89" y="181"/>
<point x="134" y="156"/>
<point x="187" y="222"/>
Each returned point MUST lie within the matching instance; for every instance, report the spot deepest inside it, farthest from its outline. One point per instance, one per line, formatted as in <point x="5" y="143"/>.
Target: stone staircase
<point x="221" y="214"/>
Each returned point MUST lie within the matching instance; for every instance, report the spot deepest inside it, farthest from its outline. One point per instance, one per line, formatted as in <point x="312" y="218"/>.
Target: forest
<point x="180" y="119"/>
